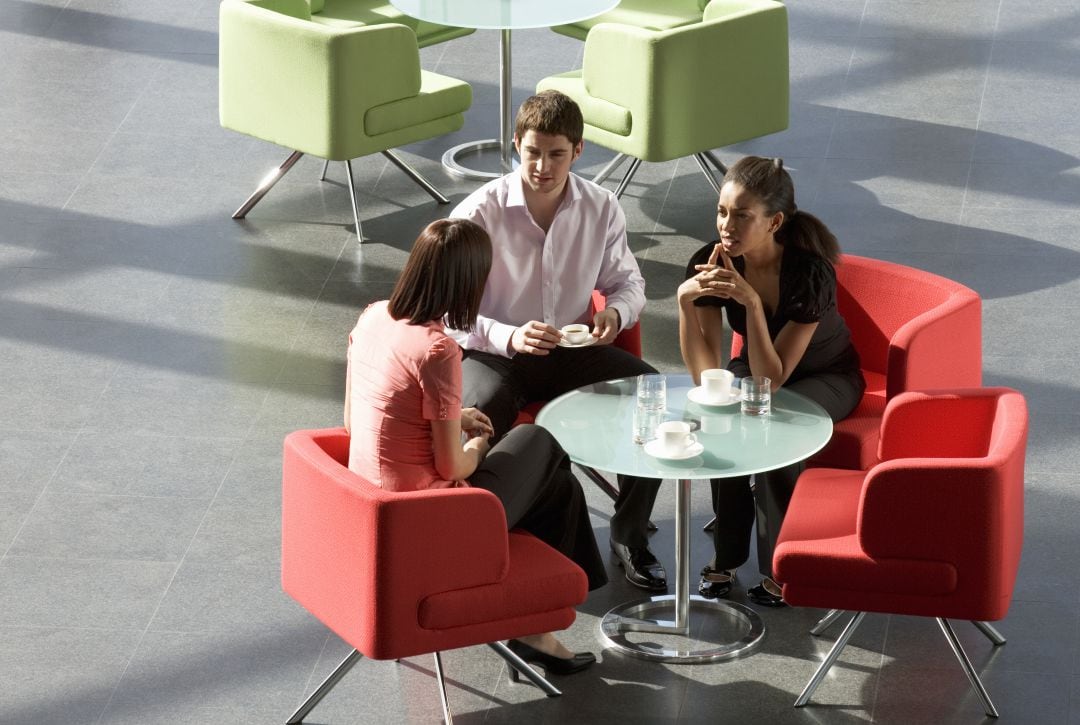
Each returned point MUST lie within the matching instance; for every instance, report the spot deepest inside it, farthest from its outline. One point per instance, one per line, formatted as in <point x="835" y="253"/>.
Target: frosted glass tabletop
<point x="594" y="425"/>
<point x="503" y="14"/>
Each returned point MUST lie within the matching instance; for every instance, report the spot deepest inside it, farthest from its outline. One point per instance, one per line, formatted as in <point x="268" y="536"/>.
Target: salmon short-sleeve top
<point x="402" y="376"/>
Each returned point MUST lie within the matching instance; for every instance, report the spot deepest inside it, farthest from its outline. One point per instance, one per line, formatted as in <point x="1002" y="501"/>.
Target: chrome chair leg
<point x="700" y="158"/>
<point x="447" y="717"/>
<point x="973" y="677"/>
<point x="415" y="176"/>
<point x="626" y="179"/>
<point x="267" y="184"/>
<point x="352" y="198"/>
<point x="322" y="690"/>
<point x="523" y="667"/>
<point x="996" y="637"/>
<point x="710" y="525"/>
<point x="716" y="162"/>
<point x="825" y="622"/>
<point x="325" y="166"/>
<point x="838" y="646"/>
<point x="609" y="168"/>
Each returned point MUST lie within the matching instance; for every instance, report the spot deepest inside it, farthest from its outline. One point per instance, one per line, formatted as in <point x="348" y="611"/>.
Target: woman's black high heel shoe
<point x="762" y="595"/>
<point x="552" y="665"/>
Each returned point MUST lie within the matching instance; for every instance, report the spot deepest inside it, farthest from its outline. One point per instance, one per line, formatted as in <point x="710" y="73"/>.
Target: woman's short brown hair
<point x="444" y="275"/>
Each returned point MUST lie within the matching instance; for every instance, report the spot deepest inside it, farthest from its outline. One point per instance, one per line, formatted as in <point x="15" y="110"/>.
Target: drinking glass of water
<point x="756" y="395"/>
<point x="651" y="405"/>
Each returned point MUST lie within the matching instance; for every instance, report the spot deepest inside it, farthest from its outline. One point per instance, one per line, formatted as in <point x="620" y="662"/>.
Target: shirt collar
<point x="515" y="192"/>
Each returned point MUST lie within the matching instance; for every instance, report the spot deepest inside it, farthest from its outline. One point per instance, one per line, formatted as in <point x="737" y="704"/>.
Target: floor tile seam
<point x="37" y="500"/>
<point x="90" y="559"/>
<point x="663" y="203"/>
<point x="123" y="495"/>
<point x="979" y="114"/>
<point x="86" y="175"/>
<point x="172" y="579"/>
<point x="310" y="682"/>
<point x="853" y="45"/>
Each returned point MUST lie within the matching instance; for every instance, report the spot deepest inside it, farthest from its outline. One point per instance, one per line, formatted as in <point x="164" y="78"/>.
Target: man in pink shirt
<point x="556" y="238"/>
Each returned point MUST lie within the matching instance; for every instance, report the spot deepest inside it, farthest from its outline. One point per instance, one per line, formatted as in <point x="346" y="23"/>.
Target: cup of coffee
<point x="576" y="334"/>
<point x="716" y="382"/>
<point x="674" y="437"/>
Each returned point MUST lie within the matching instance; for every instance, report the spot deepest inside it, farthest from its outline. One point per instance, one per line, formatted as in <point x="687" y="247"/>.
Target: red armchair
<point x="913" y="330"/>
<point x="933" y="530"/>
<point x="350" y="552"/>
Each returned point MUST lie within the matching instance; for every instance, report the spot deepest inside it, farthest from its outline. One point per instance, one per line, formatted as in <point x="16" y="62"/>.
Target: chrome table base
<point x="656" y="615"/>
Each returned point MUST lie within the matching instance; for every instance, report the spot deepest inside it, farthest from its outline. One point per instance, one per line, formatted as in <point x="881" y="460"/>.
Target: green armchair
<point x="334" y="90"/>
<point x="658" y="95"/>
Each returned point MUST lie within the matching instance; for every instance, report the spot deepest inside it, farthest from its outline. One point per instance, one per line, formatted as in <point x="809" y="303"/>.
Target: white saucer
<point x="697" y="395"/>
<point x="694" y="449"/>
<point x="590" y="341"/>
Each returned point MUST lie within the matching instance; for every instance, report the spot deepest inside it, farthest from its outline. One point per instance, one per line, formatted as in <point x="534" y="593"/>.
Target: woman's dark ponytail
<point x="768" y="180"/>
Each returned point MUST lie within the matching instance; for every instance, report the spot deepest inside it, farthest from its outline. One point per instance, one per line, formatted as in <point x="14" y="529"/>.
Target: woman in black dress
<point x="772" y="272"/>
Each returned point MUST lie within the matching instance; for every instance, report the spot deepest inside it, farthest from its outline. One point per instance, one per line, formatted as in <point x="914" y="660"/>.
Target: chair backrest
<point x="917" y="329"/>
<point x="364" y="560"/>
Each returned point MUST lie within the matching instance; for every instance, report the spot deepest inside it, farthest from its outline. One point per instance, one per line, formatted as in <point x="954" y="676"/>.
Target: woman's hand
<point x="712" y="280"/>
<point x="475" y="424"/>
<point x="718" y="278"/>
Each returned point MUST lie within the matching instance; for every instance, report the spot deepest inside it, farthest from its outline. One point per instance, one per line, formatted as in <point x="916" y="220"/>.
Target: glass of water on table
<point x="756" y="395"/>
<point x="651" y="404"/>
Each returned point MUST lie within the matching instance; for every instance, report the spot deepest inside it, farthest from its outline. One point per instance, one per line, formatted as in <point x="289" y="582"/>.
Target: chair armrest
<point x="936" y="510"/>
<point x="304" y="85"/>
<point x="941" y="348"/>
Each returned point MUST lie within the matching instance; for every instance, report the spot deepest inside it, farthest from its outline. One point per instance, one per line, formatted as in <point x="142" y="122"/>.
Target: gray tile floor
<point x="153" y="353"/>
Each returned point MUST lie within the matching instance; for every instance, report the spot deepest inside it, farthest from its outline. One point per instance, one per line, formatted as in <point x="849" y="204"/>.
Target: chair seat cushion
<point x="854" y="443"/>
<point x="539" y="580"/>
<point x="440" y="97"/>
<point x="818" y="549"/>
<point x="601" y="114"/>
<point x="648" y="14"/>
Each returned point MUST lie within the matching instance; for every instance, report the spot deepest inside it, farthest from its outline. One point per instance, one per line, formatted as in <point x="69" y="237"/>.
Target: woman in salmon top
<point x="408" y="429"/>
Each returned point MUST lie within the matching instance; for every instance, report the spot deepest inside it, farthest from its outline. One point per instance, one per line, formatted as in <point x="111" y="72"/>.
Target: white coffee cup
<point x="716" y="382"/>
<point x="674" y="436"/>
<point x="576" y="334"/>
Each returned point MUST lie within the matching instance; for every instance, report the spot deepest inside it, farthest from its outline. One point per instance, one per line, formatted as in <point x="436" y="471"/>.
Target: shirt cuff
<point x="499" y="338"/>
<point x="624" y="314"/>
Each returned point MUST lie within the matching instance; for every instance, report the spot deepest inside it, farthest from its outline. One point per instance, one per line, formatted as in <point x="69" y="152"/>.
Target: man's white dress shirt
<point x="549" y="277"/>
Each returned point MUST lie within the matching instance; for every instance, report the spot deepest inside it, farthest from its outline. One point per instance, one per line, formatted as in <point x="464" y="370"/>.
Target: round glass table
<point x="504" y="15"/>
<point x="594" y="425"/>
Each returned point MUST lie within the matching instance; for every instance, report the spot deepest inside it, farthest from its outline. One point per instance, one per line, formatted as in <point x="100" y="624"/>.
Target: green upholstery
<point x="337" y="93"/>
<point x="333" y="90"/>
<point x="662" y="95"/>
<point x="647" y="14"/>
<point x="349" y="13"/>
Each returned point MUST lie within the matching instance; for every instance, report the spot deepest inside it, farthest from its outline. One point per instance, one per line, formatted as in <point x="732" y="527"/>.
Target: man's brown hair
<point x="551" y="113"/>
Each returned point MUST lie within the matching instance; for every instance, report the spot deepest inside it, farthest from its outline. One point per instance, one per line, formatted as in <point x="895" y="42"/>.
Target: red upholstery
<point x="934" y="530"/>
<point x="913" y="330"/>
<point x="401" y="574"/>
<point x="629" y="340"/>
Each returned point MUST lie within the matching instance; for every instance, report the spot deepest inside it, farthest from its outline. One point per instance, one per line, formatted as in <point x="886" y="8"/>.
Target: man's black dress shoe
<point x="641" y="567"/>
<point x="552" y="665"/>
